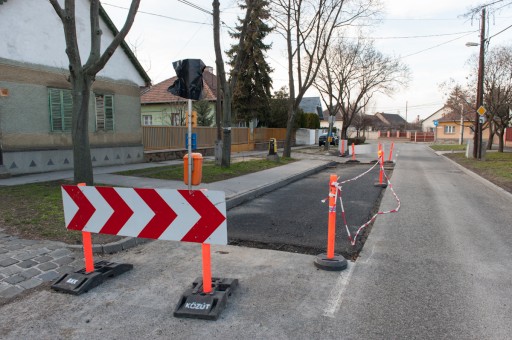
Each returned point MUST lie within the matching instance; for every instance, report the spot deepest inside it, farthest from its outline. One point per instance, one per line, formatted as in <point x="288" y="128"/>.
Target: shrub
<point x="356" y="140"/>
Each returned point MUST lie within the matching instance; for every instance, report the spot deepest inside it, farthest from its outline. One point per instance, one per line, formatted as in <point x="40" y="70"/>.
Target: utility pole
<point x="461" y="141"/>
<point x="406" y="115"/>
<point x="226" y="90"/>
<point x="477" y="150"/>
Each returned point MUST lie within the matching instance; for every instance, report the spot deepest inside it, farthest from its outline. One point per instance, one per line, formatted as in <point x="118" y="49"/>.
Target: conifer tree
<point x="252" y="93"/>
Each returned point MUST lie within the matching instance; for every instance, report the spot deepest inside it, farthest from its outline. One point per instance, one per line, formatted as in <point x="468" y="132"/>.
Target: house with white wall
<point x="35" y="101"/>
<point x="427" y="124"/>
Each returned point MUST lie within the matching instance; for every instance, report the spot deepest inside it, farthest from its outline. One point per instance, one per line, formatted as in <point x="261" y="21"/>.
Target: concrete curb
<point x="233" y="201"/>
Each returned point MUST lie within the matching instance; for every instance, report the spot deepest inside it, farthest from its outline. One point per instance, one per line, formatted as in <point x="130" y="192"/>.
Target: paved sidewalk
<point x="25" y="264"/>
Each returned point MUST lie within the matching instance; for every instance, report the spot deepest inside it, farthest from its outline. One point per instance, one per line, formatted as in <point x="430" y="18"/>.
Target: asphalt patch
<point x="294" y="219"/>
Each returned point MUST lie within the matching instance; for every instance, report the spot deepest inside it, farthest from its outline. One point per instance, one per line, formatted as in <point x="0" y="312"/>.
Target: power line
<point x="503" y="30"/>
<point x="159" y="15"/>
<point x="441" y="44"/>
<point x="188" y="3"/>
<point x="421" y="36"/>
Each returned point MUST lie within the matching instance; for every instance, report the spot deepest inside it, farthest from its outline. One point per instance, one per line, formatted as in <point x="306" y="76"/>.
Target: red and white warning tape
<point x="339" y="187"/>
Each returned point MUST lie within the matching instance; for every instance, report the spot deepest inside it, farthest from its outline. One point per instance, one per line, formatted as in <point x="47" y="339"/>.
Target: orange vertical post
<point x="381" y="160"/>
<point x="391" y="152"/>
<point x="353" y="152"/>
<point x="207" y="269"/>
<point x="87" y="243"/>
<point x="331" y="231"/>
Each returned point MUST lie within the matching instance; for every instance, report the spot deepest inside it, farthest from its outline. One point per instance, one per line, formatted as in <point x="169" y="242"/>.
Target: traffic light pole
<point x="189" y="144"/>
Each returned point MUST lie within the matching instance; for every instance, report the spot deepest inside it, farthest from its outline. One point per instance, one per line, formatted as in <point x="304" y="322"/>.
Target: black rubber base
<point x="352" y="161"/>
<point x="196" y="304"/>
<point x="337" y="263"/>
<point x="81" y="282"/>
<point x="380" y="185"/>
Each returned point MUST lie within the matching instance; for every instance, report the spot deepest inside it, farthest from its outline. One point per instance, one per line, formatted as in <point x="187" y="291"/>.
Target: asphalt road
<point x="293" y="218"/>
<point x="441" y="268"/>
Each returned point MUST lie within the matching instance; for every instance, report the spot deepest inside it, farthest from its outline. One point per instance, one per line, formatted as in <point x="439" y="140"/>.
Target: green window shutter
<point x="61" y="109"/>
<point x="109" y="112"/>
<point x="67" y="110"/>
<point x="104" y="112"/>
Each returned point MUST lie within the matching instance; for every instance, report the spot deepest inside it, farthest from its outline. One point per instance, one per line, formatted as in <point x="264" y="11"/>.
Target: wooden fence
<point x="173" y="137"/>
<point x="422" y="136"/>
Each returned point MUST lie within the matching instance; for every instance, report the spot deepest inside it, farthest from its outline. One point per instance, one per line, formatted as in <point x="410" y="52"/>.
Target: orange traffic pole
<point x="342" y="147"/>
<point x="207" y="269"/>
<point x="391" y="152"/>
<point x="381" y="160"/>
<point x="331" y="231"/>
<point x="87" y="243"/>
<point x="353" y="152"/>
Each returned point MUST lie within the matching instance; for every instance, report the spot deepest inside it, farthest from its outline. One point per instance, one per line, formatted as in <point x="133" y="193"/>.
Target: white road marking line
<point x="336" y="296"/>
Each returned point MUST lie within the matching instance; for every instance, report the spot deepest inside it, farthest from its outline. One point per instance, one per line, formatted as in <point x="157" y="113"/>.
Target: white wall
<point x="428" y="123"/>
<point x="306" y="136"/>
<point x="33" y="33"/>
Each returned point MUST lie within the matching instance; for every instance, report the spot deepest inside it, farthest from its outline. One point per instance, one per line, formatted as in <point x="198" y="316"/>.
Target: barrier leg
<point x="207" y="269"/>
<point x="390" y="159"/>
<point x="87" y="243"/>
<point x="88" y="257"/>
<point x="330" y="260"/>
<point x="208" y="297"/>
<point x="381" y="183"/>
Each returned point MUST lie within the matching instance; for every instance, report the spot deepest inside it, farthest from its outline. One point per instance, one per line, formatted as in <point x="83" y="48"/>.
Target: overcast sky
<point x="168" y="30"/>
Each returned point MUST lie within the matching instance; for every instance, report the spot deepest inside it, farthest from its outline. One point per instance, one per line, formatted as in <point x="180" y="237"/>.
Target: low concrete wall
<point x="366" y="149"/>
<point x="306" y="136"/>
<point x="25" y="162"/>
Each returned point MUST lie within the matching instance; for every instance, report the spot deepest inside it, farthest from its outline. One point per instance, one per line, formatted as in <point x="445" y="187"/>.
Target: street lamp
<point x="477" y="141"/>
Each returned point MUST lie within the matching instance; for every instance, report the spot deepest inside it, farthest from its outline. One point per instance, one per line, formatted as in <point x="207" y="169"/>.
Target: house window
<point x="449" y="129"/>
<point x="61" y="109"/>
<point x="104" y="112"/>
<point x="147" y="120"/>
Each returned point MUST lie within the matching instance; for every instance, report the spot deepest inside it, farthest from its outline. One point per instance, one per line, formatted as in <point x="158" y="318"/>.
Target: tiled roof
<point x="339" y="117"/>
<point x="455" y="117"/>
<point x="311" y="105"/>
<point x="159" y="94"/>
<point x="391" y="118"/>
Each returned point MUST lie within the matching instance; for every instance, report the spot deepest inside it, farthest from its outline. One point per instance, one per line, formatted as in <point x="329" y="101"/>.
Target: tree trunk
<point x="501" y="143"/>
<point x="226" y="134"/>
<point x="82" y="162"/>
<point x="492" y="132"/>
<point x="287" y="149"/>
<point x="344" y="132"/>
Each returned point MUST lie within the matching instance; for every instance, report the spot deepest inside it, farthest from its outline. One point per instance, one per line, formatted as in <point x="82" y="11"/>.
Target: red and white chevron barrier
<point x="163" y="214"/>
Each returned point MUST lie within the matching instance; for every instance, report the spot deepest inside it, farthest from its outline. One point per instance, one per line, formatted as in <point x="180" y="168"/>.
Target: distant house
<point x="35" y="101"/>
<point x="312" y="105"/>
<point x="160" y="107"/>
<point x="338" y="120"/>
<point x="450" y="125"/>
<point x="388" y="122"/>
<point x="427" y="124"/>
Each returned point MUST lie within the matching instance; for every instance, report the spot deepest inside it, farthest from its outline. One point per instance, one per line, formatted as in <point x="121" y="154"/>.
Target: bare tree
<point x="352" y="73"/>
<point x="498" y="92"/>
<point x="82" y="76"/>
<point x="308" y="28"/>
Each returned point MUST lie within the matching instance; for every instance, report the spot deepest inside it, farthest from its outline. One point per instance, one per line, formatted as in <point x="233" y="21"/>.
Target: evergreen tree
<point x="203" y="109"/>
<point x="252" y="93"/>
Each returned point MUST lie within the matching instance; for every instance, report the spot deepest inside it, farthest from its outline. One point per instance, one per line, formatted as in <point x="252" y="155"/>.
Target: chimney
<point x="209" y="69"/>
